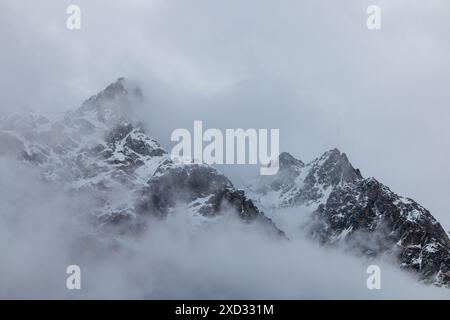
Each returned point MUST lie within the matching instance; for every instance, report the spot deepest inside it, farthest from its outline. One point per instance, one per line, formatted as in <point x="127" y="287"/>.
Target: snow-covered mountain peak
<point x="120" y="89"/>
<point x="99" y="148"/>
<point x="332" y="168"/>
<point x="116" y="103"/>
<point x="286" y="161"/>
<point x="297" y="183"/>
<point x="339" y="207"/>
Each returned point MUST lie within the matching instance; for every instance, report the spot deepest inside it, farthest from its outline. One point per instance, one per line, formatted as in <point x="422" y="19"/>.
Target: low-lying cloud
<point x="43" y="230"/>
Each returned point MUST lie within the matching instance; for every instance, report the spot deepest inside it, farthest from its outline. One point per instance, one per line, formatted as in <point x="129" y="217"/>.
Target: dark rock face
<point x="332" y="168"/>
<point x="180" y="184"/>
<point x="204" y="189"/>
<point x="118" y="94"/>
<point x="100" y="149"/>
<point x="287" y="161"/>
<point x="299" y="184"/>
<point x="373" y="220"/>
<point x="362" y="214"/>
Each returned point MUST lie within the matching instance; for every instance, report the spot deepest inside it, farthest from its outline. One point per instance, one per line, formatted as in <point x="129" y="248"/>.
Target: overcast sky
<point x="310" y="68"/>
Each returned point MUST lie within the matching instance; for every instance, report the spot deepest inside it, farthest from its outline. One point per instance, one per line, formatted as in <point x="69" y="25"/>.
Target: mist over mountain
<point x="339" y="206"/>
<point x="91" y="187"/>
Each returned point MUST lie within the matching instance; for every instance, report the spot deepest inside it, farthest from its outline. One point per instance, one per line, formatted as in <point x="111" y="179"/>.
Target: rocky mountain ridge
<point x="360" y="214"/>
<point x="99" y="148"/>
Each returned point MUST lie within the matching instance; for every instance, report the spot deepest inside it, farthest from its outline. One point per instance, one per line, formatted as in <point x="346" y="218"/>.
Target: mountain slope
<point x="362" y="214"/>
<point x="100" y="148"/>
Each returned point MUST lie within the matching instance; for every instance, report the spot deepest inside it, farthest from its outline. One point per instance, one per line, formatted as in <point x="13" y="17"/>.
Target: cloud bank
<point x="310" y="68"/>
<point x="43" y="230"/>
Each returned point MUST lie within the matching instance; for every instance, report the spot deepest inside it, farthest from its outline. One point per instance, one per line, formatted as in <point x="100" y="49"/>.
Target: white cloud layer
<point x="310" y="68"/>
<point x="41" y="234"/>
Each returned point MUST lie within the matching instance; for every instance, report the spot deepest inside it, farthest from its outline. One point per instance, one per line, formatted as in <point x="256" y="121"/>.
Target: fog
<point x="43" y="230"/>
<point x="309" y="68"/>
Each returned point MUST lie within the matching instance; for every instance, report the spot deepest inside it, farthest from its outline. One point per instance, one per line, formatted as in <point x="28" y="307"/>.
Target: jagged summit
<point x="343" y="208"/>
<point x="99" y="149"/>
<point x="297" y="183"/>
<point x="333" y="167"/>
<point x="117" y="90"/>
<point x="331" y="162"/>
<point x="286" y="160"/>
<point x="117" y="102"/>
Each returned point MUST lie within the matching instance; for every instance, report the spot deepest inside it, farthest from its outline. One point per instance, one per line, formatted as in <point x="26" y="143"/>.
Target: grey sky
<point x="310" y="68"/>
